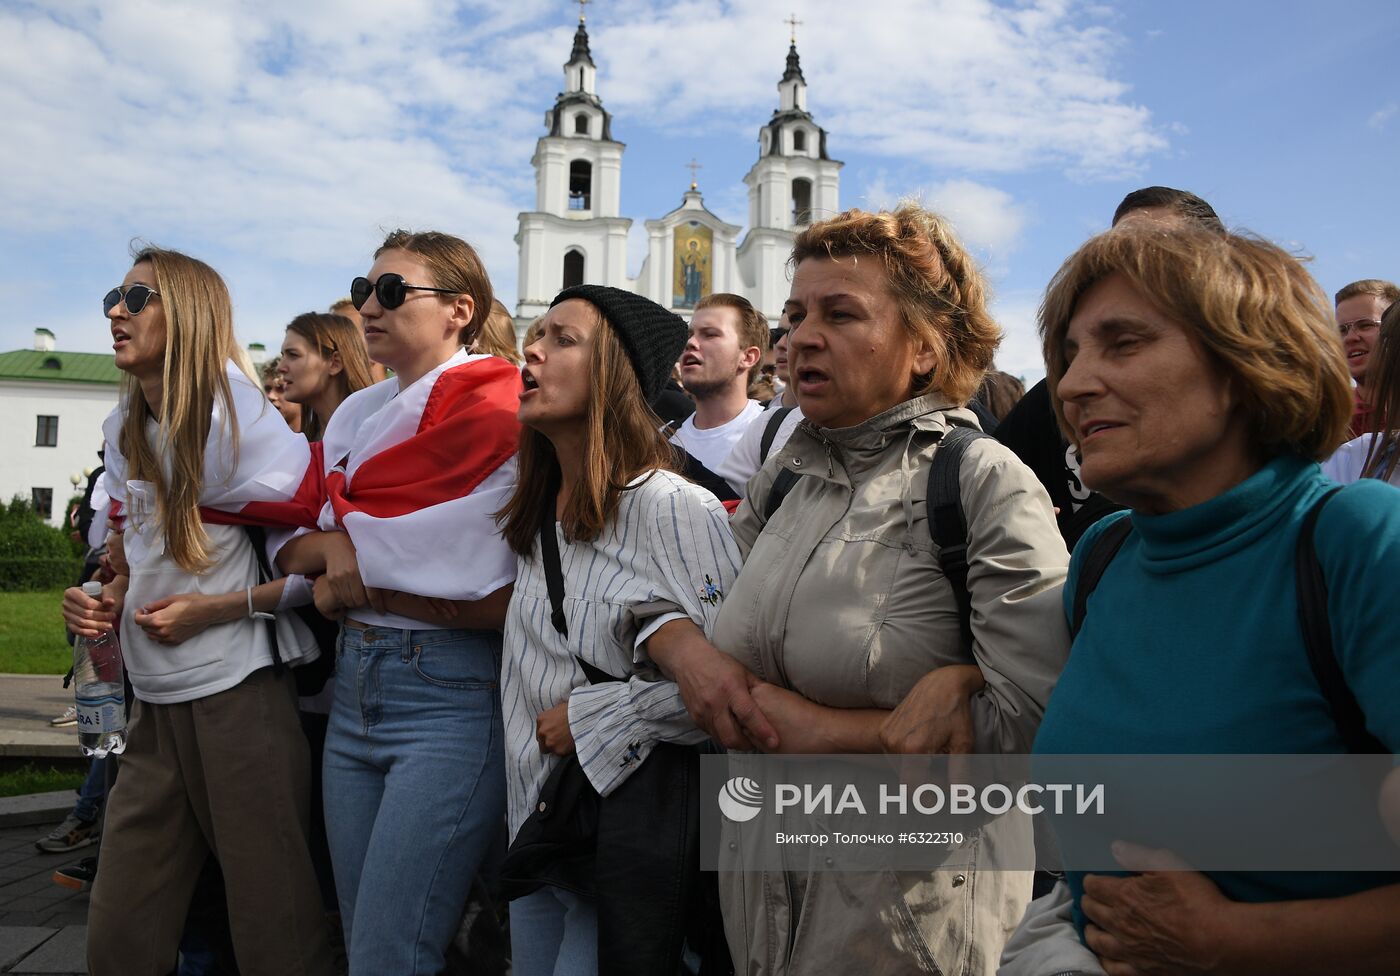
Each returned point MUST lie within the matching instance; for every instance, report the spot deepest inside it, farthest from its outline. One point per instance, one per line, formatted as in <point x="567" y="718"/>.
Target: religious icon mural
<point x="693" y="246"/>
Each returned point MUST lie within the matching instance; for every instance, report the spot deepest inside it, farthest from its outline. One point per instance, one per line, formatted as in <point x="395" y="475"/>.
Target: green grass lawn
<point x="34" y="779"/>
<point x="31" y="634"/>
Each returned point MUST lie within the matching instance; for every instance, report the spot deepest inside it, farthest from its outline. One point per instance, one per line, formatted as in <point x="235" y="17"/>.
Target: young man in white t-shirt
<point x="727" y="339"/>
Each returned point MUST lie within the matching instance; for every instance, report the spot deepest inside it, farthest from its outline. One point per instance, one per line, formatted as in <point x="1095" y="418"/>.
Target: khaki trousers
<point x="227" y="774"/>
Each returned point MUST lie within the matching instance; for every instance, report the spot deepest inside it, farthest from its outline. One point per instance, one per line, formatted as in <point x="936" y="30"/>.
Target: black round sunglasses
<point x="390" y="289"/>
<point x="136" y="298"/>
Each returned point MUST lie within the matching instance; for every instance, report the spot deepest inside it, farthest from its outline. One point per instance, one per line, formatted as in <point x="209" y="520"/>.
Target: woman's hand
<point x="552" y="730"/>
<point x="116" y="551"/>
<point x="1166" y="920"/>
<point x="175" y="619"/>
<point x="89" y="617"/>
<point x="714" y="687"/>
<point x="343" y="571"/>
<point x="936" y="716"/>
<point x="327" y="604"/>
<point x="802" y="724"/>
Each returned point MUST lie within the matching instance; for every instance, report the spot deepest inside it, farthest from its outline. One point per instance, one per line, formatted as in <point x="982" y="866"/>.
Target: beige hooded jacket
<point x="841" y="599"/>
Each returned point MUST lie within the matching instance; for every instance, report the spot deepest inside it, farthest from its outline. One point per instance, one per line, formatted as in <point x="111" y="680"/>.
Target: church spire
<point x="794" y="66"/>
<point x="580" y="73"/>
<point x="580" y="54"/>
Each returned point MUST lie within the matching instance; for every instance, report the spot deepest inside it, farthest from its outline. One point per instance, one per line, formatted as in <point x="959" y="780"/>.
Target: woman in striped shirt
<point x="639" y="547"/>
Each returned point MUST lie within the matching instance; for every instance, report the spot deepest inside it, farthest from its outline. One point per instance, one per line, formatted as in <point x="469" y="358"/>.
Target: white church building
<point x="576" y="235"/>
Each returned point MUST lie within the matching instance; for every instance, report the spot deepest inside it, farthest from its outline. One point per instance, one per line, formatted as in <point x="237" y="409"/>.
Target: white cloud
<point x="1020" y="353"/>
<point x="967" y="84"/>
<point x="287" y="136"/>
<point x="986" y="218"/>
<point x="1380" y="118"/>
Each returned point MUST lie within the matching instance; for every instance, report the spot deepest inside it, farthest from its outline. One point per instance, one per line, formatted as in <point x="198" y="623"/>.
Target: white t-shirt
<point x="710" y="447"/>
<point x="1344" y="467"/>
<point x="218" y="657"/>
<point x="744" y="461"/>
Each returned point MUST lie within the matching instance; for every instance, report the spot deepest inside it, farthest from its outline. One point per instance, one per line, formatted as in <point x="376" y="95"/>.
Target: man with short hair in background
<point x="1360" y="306"/>
<point x="728" y="337"/>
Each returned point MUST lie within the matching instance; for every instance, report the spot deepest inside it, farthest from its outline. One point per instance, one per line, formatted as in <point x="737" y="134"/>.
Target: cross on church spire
<point x="792" y="22"/>
<point x="581" y="5"/>
<point x="693" y="166"/>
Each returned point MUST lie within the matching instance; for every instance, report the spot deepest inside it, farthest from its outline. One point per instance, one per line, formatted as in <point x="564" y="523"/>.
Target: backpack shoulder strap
<point x="947" y="522"/>
<point x="770" y="431"/>
<point x="1316" y="625"/>
<point x="782" y="484"/>
<point x="1091" y="570"/>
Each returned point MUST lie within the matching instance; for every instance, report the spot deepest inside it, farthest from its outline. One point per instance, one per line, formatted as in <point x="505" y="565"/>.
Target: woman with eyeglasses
<point x="411" y="561"/>
<point x="215" y="761"/>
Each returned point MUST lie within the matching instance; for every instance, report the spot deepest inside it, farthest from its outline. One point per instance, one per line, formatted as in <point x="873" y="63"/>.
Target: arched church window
<point x="799" y="141"/>
<point x="801" y="202"/>
<point x="580" y="185"/>
<point x="573" y="268"/>
<point x="581" y="124"/>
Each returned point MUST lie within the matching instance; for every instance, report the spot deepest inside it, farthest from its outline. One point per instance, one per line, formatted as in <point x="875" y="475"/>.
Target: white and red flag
<point x="415" y="476"/>
<point x="272" y="479"/>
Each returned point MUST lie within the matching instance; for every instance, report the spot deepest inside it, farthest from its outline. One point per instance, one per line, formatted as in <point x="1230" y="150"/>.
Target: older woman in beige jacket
<point x="847" y="631"/>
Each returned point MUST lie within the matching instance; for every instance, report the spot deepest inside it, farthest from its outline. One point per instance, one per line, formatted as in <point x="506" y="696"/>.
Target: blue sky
<point x="278" y="141"/>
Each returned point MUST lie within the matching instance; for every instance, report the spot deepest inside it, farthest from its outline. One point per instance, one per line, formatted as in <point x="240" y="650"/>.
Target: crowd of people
<point x="423" y="623"/>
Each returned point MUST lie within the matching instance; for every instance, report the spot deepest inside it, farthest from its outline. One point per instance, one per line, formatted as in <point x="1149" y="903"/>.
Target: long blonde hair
<point x="199" y="343"/>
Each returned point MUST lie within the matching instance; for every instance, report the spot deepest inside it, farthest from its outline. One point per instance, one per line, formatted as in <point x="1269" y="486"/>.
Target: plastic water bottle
<point x="99" y="685"/>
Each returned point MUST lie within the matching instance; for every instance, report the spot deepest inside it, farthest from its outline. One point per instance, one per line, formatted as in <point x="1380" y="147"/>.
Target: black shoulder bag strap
<point x="554" y="582"/>
<point x="947" y="522"/>
<point x="1315" y="622"/>
<point x="553" y="573"/>
<point x="257" y="537"/>
<point x="1095" y="562"/>
<point x="770" y="432"/>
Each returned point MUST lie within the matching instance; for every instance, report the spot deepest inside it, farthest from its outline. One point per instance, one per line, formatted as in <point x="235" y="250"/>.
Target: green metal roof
<point x="67" y="367"/>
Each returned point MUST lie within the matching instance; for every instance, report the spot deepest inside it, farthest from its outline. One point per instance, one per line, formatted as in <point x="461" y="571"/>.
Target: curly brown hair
<point x="941" y="293"/>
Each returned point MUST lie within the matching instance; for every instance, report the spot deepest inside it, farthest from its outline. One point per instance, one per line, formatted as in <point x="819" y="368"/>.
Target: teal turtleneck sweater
<point x="1191" y="641"/>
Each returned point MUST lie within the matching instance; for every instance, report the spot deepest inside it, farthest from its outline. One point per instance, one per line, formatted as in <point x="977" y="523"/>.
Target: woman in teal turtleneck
<point x="1201" y="378"/>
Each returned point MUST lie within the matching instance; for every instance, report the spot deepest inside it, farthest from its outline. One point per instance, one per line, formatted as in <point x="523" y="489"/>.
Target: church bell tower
<point x="793" y="183"/>
<point x="575" y="234"/>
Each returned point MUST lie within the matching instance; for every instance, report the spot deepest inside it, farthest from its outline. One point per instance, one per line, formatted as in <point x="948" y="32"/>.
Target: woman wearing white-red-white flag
<point x="412" y="561"/>
<point x="215" y="762"/>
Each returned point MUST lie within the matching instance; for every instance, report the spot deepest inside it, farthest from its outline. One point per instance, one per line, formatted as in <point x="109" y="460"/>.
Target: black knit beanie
<point x="652" y="336"/>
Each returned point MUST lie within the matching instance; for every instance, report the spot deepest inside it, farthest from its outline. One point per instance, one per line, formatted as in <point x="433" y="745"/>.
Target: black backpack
<point x="1312" y="619"/>
<point x="312" y="676"/>
<point x="770" y="431"/>
<point x="947" y="523"/>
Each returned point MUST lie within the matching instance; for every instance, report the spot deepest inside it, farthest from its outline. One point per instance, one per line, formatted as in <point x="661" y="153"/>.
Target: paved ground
<point x="43" y="927"/>
<point x="27" y="702"/>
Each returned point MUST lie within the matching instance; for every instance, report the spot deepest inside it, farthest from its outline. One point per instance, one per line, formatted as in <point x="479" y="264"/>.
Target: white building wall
<point x="80" y="408"/>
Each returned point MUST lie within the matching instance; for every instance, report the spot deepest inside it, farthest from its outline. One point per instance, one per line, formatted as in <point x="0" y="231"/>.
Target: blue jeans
<point x="414" y="780"/>
<point x="93" y="793"/>
<point x="553" y="933"/>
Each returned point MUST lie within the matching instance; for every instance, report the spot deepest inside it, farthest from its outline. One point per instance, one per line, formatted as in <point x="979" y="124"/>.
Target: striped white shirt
<point x="668" y="554"/>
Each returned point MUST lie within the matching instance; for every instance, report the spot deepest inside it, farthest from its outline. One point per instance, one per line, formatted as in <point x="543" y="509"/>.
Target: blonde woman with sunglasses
<point x="215" y="761"/>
